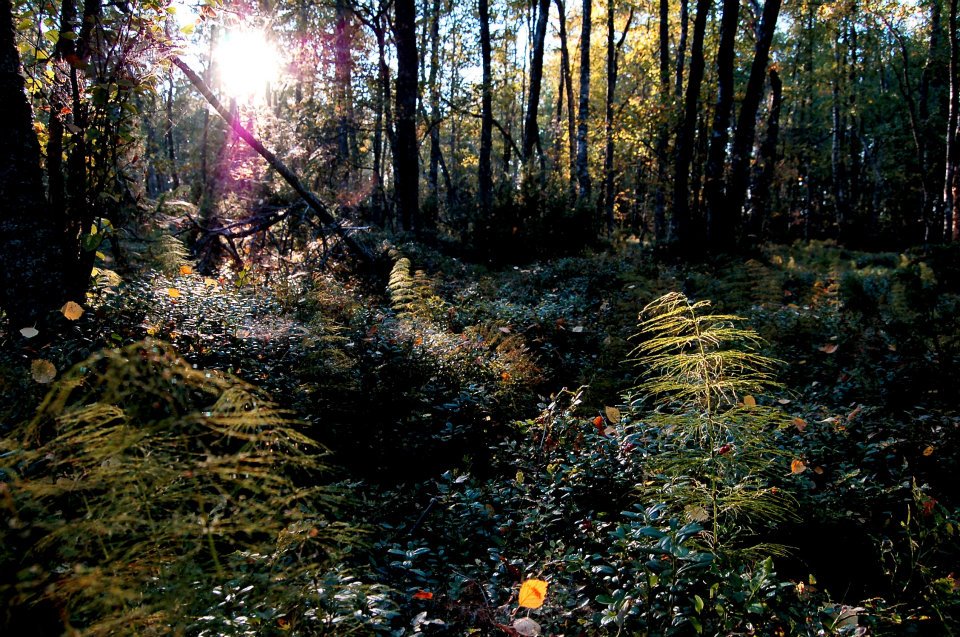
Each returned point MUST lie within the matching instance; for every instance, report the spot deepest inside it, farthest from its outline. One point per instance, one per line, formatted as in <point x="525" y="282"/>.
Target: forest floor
<point x="485" y="428"/>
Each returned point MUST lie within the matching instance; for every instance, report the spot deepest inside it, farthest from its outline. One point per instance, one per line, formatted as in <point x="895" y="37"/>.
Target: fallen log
<point x="308" y="197"/>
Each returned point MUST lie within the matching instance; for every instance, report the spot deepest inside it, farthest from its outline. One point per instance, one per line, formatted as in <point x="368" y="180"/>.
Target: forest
<point x="501" y="317"/>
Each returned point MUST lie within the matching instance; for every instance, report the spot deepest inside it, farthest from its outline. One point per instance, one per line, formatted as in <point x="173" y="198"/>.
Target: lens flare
<point x="247" y="63"/>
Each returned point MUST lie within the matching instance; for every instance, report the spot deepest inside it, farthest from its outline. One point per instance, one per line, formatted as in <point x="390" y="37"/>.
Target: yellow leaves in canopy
<point x="72" y="311"/>
<point x="43" y="371"/>
<point x="532" y="593"/>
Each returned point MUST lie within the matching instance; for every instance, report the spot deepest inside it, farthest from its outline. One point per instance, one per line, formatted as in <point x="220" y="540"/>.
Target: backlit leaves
<point x="797" y="466"/>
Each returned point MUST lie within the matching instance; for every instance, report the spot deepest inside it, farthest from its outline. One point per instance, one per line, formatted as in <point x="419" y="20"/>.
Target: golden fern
<point x="718" y="457"/>
<point x="149" y="483"/>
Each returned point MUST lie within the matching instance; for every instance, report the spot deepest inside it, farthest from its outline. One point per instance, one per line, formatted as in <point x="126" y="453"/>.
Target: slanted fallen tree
<point x="312" y="201"/>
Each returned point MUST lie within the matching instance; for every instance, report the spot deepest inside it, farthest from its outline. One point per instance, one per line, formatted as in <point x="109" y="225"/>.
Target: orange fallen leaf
<point x="532" y="593"/>
<point x="43" y="371"/>
<point x="72" y="311"/>
<point x="423" y="595"/>
<point x="928" y="451"/>
<point x="800" y="424"/>
<point x="829" y="348"/>
<point x="749" y="401"/>
<point x="186" y="269"/>
<point x="797" y="466"/>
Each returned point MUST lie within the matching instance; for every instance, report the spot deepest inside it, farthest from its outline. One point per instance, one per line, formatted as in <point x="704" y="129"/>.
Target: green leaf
<point x="697" y="603"/>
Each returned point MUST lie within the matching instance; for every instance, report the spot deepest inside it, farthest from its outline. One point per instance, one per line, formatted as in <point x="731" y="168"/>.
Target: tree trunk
<point x="484" y="170"/>
<point x="531" y="130"/>
<point x="743" y="139"/>
<point x="31" y="267"/>
<point x="583" y="113"/>
<point x="663" y="136"/>
<point x="343" y="83"/>
<point x="760" y="194"/>
<point x="613" y="55"/>
<point x="721" y="224"/>
<point x="63" y="50"/>
<point x="681" y="48"/>
<point x="680" y="224"/>
<point x="405" y="151"/>
<point x="171" y="151"/>
<point x="567" y="79"/>
<point x="433" y="171"/>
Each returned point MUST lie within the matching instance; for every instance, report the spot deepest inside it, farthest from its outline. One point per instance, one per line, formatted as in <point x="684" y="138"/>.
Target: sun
<point x="247" y="63"/>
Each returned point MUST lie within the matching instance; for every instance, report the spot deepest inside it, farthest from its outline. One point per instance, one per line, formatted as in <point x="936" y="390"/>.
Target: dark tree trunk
<point x="567" y="79"/>
<point x="928" y="84"/>
<point x="171" y="151"/>
<point x="63" y="51"/>
<point x="760" y="194"/>
<point x="343" y="84"/>
<point x="531" y="130"/>
<point x="405" y="151"/>
<point x="743" y="139"/>
<point x="680" y="224"/>
<point x="613" y="55"/>
<point x="721" y="225"/>
<point x="433" y="170"/>
<point x="485" y="171"/>
<point x="950" y="172"/>
<point x="681" y="48"/>
<point x="583" y="113"/>
<point x="663" y="136"/>
<point x="31" y="267"/>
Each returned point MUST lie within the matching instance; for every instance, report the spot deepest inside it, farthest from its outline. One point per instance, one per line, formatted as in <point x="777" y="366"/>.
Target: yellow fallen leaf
<point x="928" y="451"/>
<point x="532" y="593"/>
<point x="72" y="310"/>
<point x="613" y="414"/>
<point x="186" y="269"/>
<point x="797" y="466"/>
<point x="749" y="401"/>
<point x="210" y="282"/>
<point x="43" y="371"/>
<point x="173" y="292"/>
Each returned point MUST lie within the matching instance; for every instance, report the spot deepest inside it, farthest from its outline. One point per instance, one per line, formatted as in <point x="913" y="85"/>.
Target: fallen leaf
<point x="210" y="283"/>
<point x="29" y="332"/>
<point x="749" y="401"/>
<point x="784" y="401"/>
<point x="173" y="292"/>
<point x="797" y="466"/>
<point x="505" y="330"/>
<point x="186" y="269"/>
<point x="532" y="593"/>
<point x="577" y="329"/>
<point x="613" y="414"/>
<point x="423" y="595"/>
<point x="43" y="371"/>
<point x="800" y="424"/>
<point x="829" y="348"/>
<point x="72" y="310"/>
<point x="526" y="627"/>
<point x="928" y="451"/>
<point x="609" y="431"/>
<point x="853" y="414"/>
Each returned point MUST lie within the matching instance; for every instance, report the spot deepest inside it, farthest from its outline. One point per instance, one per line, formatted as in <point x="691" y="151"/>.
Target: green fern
<point x="717" y="452"/>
